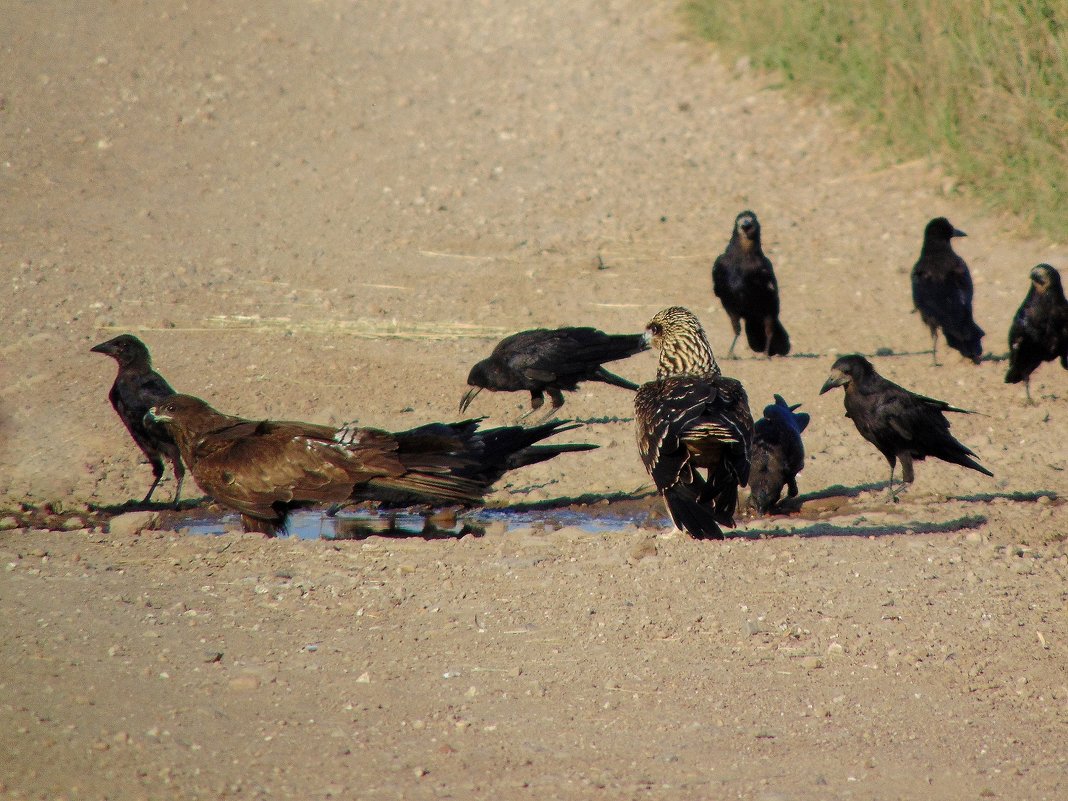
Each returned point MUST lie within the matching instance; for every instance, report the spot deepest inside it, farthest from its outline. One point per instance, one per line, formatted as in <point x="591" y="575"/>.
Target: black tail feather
<point x="696" y="519"/>
<point x="617" y="381"/>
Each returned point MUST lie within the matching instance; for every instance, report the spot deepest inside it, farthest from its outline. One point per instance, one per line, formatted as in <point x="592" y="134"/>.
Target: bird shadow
<point x="832" y="530"/>
<point x="115" y="509"/>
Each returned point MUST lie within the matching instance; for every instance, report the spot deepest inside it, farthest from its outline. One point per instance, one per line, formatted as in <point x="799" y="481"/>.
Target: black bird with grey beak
<point x="900" y="424"/>
<point x="1039" y="331"/>
<point x="137" y="389"/>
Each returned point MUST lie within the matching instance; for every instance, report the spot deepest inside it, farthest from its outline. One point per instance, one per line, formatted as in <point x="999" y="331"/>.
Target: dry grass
<point x="982" y="86"/>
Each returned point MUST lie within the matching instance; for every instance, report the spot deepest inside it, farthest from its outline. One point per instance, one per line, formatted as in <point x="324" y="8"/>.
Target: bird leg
<point x="737" y="326"/>
<point x="934" y="346"/>
<point x="179" y="476"/>
<point x="157" y="471"/>
<point x="537" y="400"/>
<point x="1027" y="390"/>
<point x="769" y="327"/>
<point x="891" y="495"/>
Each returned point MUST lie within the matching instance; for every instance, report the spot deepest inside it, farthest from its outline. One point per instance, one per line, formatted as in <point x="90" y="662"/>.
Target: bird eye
<point x="656" y="329"/>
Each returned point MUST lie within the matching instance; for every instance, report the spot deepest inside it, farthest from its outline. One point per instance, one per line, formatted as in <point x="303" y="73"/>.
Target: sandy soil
<point x="330" y="210"/>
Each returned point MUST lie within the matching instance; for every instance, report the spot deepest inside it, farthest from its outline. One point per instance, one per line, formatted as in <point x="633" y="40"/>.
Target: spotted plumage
<point x="693" y="418"/>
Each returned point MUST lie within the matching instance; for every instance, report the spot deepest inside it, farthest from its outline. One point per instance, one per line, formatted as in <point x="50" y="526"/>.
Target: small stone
<point x="245" y="682"/>
<point x="365" y="678"/>
<point x="131" y="523"/>
<point x="643" y="547"/>
<point x="73" y="523"/>
<point x="751" y="628"/>
<point x="811" y="663"/>
<point x="8" y="522"/>
<point x="420" y="772"/>
<point x="213" y="656"/>
<point x="835" y="649"/>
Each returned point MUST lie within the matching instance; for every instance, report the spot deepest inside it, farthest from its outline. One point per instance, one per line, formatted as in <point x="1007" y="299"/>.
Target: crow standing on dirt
<point x="901" y="424"/>
<point x="136" y="389"/>
<point x="1039" y="331"/>
<point x="543" y="360"/>
<point x="744" y="281"/>
<point x="693" y="417"/>
<point x="942" y="292"/>
<point x="778" y="454"/>
<point x="264" y="469"/>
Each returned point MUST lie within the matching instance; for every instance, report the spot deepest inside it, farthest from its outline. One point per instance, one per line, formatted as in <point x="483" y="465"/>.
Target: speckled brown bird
<point x="551" y="361"/>
<point x="690" y="418"/>
<point x="264" y="469"/>
<point x="1039" y="331"/>
<point x="942" y="292"/>
<point x="744" y="281"/>
<point x="900" y="423"/>
<point x="136" y="389"/>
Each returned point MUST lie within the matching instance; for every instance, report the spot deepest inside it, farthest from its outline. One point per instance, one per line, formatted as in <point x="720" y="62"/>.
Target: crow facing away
<point x="942" y="292"/>
<point x="693" y="417"/>
<point x="1039" y="331"/>
<point x="549" y="361"/>
<point x="136" y="389"/>
<point x="744" y="281"/>
<point x="901" y="424"/>
<point x="264" y="469"/>
<point x="778" y="454"/>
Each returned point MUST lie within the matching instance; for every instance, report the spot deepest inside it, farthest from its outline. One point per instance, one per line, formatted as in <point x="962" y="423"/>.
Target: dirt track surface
<point x="325" y="211"/>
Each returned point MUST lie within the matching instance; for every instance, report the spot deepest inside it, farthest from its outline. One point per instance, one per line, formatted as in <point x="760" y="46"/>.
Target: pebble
<point x="811" y="663"/>
<point x="644" y="546"/>
<point x="8" y="522"/>
<point x="245" y="682"/>
<point x="131" y="523"/>
<point x="73" y="523"/>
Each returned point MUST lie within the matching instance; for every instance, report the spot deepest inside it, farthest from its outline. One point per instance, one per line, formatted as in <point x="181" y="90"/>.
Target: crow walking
<point x="901" y="424"/>
<point x="136" y="389"/>
<point x="549" y="361"/>
<point x="942" y="292"/>
<point x="693" y="417"/>
<point x="1039" y="331"/>
<point x="778" y="454"/>
<point x="744" y="281"/>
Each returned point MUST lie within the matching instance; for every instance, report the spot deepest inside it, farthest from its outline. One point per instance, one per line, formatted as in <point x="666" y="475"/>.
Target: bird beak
<point x="836" y="379"/>
<point x="103" y="347"/>
<point x="153" y="416"/>
<point x="958" y="232"/>
<point x="647" y="338"/>
<point x="469" y="396"/>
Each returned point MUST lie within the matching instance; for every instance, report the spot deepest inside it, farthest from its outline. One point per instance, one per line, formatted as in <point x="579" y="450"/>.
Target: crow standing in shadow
<point x="942" y="292"/>
<point x="778" y="454"/>
<point x="550" y="361"/>
<point x="692" y="417"/>
<point x="264" y="469"/>
<point x="744" y="281"/>
<point x="1039" y="331"/>
<point x="137" y="388"/>
<point x="901" y="424"/>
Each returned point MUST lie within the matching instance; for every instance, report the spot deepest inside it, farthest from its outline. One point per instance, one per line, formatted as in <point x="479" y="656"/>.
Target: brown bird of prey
<point x="1039" y="331"/>
<point x="901" y="424"/>
<point x="264" y="469"/>
<point x="778" y="454"/>
<point x="138" y="388"/>
<point x="744" y="281"/>
<point x="942" y="292"/>
<point x="550" y="361"/>
<point x="693" y="417"/>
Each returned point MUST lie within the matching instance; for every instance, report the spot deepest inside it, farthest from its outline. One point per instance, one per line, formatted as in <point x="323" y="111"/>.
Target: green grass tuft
<point x="982" y="85"/>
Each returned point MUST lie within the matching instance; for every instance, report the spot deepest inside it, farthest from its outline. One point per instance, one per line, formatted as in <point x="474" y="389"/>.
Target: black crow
<point x="901" y="424"/>
<point x="942" y="292"/>
<point x="693" y="417"/>
<point x="264" y="469"/>
<point x="778" y="454"/>
<point x="550" y="361"/>
<point x="744" y="281"/>
<point x="1039" y="331"/>
<point x="136" y="389"/>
